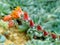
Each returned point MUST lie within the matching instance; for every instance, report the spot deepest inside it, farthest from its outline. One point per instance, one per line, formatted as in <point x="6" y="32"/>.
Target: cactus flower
<point x="7" y="18"/>
<point x="39" y="27"/>
<point x="53" y="36"/>
<point x="26" y="17"/>
<point x="45" y="33"/>
<point x="31" y="23"/>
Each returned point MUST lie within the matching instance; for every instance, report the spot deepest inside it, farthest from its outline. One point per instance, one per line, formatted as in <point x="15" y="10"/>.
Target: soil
<point x="15" y="37"/>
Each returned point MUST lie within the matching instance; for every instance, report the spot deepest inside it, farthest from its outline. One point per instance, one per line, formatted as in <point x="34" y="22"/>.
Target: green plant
<point x="38" y="42"/>
<point x="42" y="12"/>
<point x="4" y="9"/>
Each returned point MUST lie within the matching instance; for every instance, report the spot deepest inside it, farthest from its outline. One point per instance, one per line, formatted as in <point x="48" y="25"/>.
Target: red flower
<point x="53" y="36"/>
<point x="11" y="23"/>
<point x="7" y="18"/>
<point x="39" y="27"/>
<point x="31" y="23"/>
<point x="26" y="17"/>
<point x="45" y="33"/>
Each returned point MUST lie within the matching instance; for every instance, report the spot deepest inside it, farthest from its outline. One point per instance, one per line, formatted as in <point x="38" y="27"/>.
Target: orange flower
<point x="16" y="13"/>
<point x="18" y="9"/>
<point x="7" y="18"/>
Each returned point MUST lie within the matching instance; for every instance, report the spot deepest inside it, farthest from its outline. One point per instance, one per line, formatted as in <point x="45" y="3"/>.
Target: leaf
<point x="38" y="42"/>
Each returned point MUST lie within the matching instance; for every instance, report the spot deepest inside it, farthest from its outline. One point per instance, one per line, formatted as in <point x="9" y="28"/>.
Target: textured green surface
<point x="43" y="12"/>
<point x="4" y="8"/>
<point x="38" y="42"/>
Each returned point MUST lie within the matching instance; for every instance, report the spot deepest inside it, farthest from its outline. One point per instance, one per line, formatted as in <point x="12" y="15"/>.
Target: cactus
<point x="4" y="9"/>
<point x="38" y="42"/>
<point x="2" y="39"/>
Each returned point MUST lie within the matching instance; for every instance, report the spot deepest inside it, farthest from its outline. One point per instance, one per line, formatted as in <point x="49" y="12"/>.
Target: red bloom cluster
<point x="39" y="27"/>
<point x="54" y="36"/>
<point x="31" y="23"/>
<point x="45" y="33"/>
<point x="26" y="17"/>
<point x="11" y="23"/>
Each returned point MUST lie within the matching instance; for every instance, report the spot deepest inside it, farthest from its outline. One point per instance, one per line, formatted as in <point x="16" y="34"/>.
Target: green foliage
<point x="31" y="32"/>
<point x="4" y="9"/>
<point x="38" y="42"/>
<point x="53" y="25"/>
<point x="23" y="28"/>
<point x="4" y="24"/>
<point x="43" y="12"/>
<point x="34" y="32"/>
